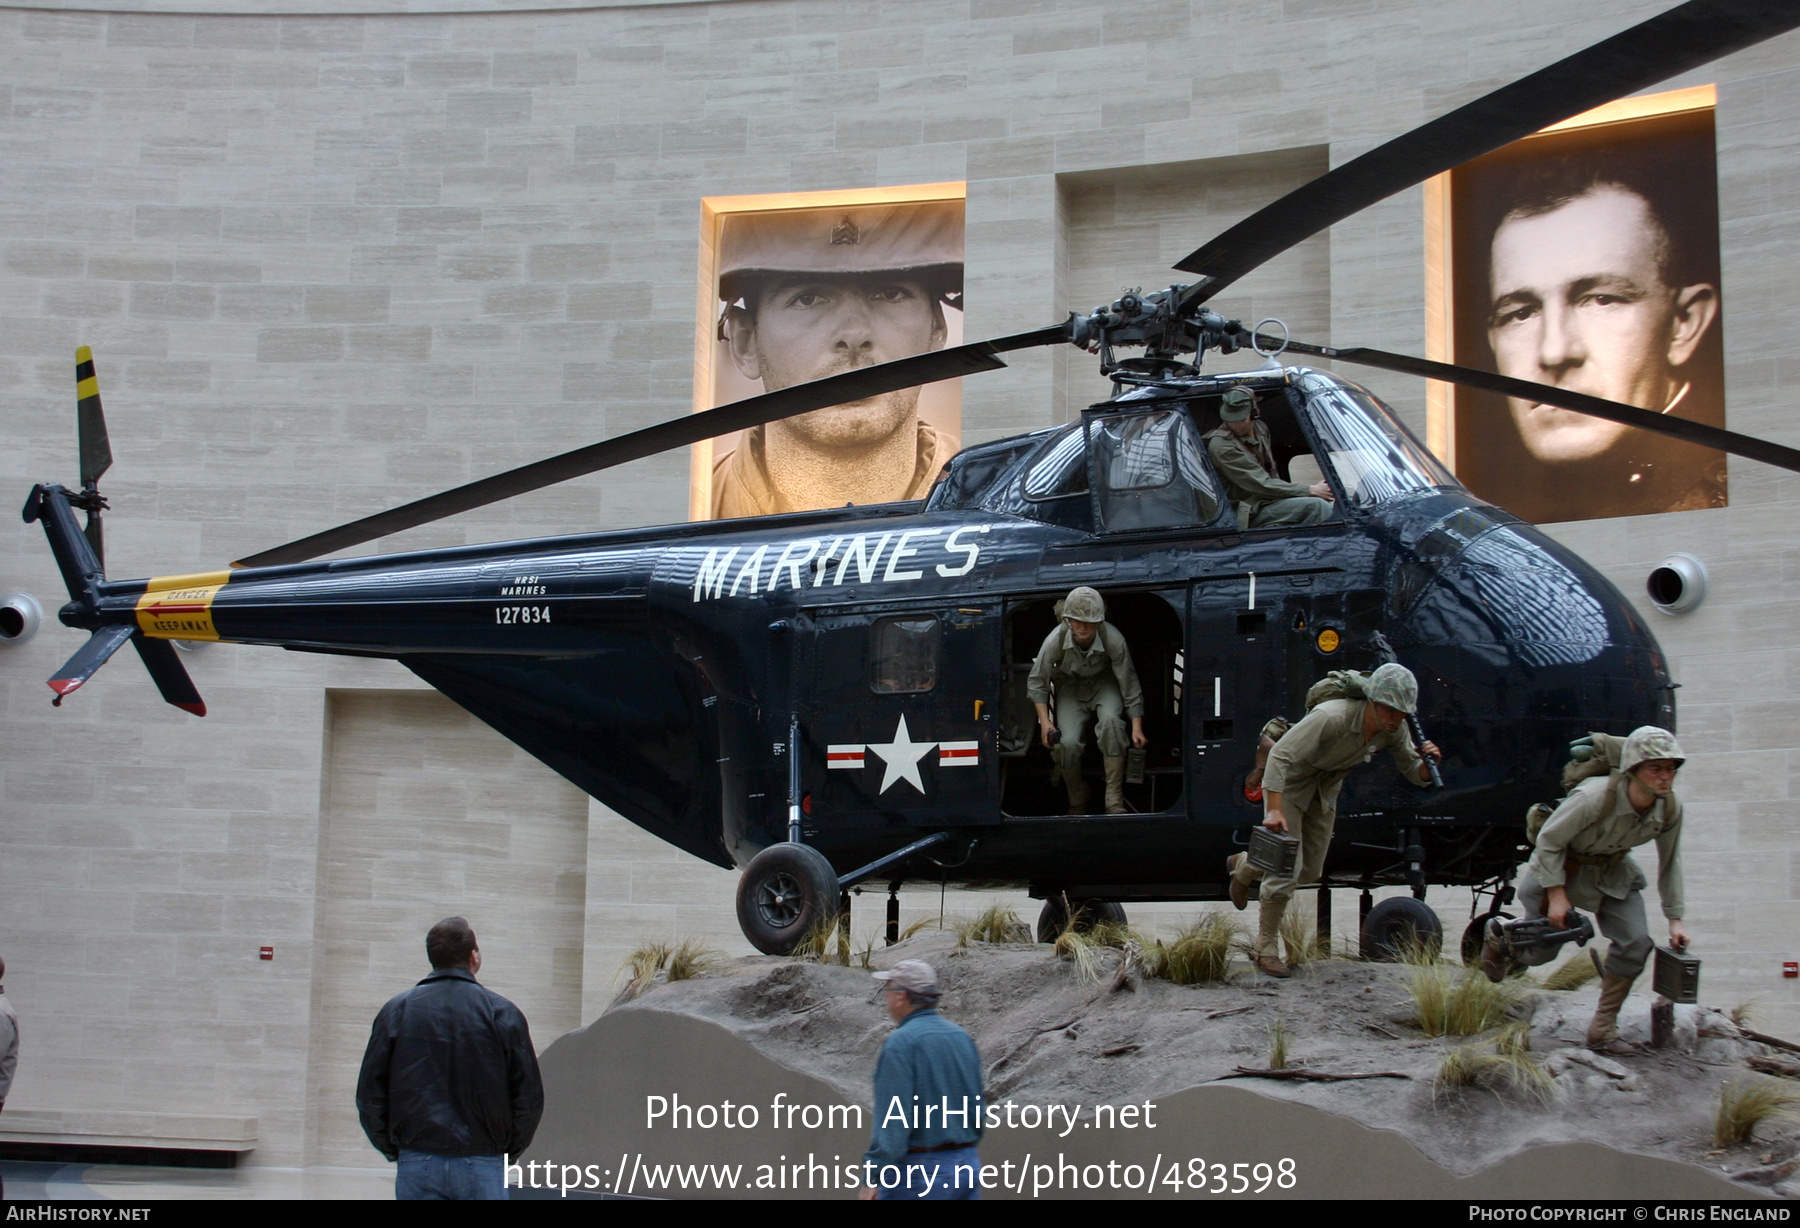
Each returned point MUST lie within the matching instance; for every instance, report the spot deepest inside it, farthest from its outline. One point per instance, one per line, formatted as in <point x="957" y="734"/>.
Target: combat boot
<point x="1078" y="790"/>
<point x="1115" y="785"/>
<point x="1496" y="962"/>
<point x="1240" y="887"/>
<point x="1268" y="939"/>
<point x="1603" y="1032"/>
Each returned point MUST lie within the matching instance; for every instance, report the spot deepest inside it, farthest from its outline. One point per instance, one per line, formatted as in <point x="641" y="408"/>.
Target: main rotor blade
<point x="1780" y="456"/>
<point x="853" y="385"/>
<point x="1685" y="37"/>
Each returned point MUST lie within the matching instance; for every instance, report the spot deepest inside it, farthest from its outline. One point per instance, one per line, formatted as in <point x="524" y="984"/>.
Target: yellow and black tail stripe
<point x="87" y="384"/>
<point x="180" y="607"/>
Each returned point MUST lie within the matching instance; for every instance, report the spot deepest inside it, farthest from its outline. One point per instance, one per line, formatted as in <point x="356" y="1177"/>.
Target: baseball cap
<point x="912" y="975"/>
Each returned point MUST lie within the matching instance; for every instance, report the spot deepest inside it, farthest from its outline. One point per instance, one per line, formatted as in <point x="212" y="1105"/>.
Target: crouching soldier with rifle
<point x="1582" y="859"/>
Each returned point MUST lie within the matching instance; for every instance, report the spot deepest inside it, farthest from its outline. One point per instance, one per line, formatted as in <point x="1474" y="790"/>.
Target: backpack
<point x="1338" y="684"/>
<point x="1595" y="755"/>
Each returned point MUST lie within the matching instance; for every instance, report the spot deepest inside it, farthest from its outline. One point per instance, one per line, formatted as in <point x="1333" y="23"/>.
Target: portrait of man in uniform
<point x="1588" y="260"/>
<point x="808" y="293"/>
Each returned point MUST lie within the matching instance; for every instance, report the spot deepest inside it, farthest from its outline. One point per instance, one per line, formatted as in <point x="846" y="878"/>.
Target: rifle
<point x="1381" y="645"/>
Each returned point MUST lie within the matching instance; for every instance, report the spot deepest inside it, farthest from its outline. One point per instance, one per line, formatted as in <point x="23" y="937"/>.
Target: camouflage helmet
<point x="1648" y="742"/>
<point x="1237" y="405"/>
<point x="1084" y="605"/>
<point x="1395" y="686"/>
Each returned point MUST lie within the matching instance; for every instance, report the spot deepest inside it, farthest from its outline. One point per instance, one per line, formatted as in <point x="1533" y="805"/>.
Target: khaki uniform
<point x="1583" y="848"/>
<point x="1307" y="767"/>
<point x="741" y="485"/>
<point x="1263" y="500"/>
<point x="1098" y="679"/>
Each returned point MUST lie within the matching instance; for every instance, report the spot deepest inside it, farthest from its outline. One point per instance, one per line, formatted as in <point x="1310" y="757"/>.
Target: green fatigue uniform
<point x="1583" y="848"/>
<point x="1263" y="500"/>
<point x="1098" y="679"/>
<point x="1307" y="767"/>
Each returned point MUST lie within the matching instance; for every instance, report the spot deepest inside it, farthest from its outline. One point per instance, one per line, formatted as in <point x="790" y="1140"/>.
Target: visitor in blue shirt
<point x="927" y="1097"/>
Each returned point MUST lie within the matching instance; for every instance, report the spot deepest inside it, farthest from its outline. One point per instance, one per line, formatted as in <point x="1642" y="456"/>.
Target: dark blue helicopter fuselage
<point x="659" y="669"/>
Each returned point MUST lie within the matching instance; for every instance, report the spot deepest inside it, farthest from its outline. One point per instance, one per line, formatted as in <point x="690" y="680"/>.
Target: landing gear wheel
<point x="786" y="892"/>
<point x="1397" y="924"/>
<point x="1054" y="918"/>
<point x="1476" y="934"/>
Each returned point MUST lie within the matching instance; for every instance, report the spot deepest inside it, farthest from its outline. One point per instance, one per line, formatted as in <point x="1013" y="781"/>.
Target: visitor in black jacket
<point x="449" y="1085"/>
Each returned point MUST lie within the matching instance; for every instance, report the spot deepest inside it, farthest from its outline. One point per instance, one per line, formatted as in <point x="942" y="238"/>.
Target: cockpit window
<point x="1061" y="469"/>
<point x="967" y="478"/>
<point x="1376" y="459"/>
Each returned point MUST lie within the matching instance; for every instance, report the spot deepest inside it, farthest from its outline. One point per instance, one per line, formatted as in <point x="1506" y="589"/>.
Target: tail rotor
<point x="96" y="448"/>
<point x="79" y="552"/>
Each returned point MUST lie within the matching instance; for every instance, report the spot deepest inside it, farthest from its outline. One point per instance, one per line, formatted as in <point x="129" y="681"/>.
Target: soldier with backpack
<point x="1351" y="717"/>
<point x="1582" y="859"/>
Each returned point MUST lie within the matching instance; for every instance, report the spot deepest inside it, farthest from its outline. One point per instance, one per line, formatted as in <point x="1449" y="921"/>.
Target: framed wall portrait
<point x="798" y="287"/>
<point x="1587" y="257"/>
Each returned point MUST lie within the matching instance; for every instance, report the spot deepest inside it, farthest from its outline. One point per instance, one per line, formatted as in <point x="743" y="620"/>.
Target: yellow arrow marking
<point x="180" y="607"/>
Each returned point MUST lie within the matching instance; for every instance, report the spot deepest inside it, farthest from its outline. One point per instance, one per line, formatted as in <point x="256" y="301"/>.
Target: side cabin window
<point x="1149" y="471"/>
<point x="903" y="654"/>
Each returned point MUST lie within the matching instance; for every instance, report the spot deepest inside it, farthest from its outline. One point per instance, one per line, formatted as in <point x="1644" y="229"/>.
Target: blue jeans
<point x="423" y="1175"/>
<point x="937" y="1176"/>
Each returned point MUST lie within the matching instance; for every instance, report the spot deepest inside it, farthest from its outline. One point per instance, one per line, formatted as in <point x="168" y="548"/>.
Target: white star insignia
<point x="901" y="757"/>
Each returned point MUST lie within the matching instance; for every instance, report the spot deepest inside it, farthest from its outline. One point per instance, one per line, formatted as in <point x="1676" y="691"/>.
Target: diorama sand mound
<point x="1047" y="1035"/>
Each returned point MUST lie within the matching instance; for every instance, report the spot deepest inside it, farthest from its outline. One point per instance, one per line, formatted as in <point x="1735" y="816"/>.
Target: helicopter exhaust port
<point x="1677" y="585"/>
<point x="20" y="617"/>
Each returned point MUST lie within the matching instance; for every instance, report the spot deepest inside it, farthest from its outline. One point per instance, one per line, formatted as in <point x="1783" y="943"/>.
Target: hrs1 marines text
<point x="636" y="1174"/>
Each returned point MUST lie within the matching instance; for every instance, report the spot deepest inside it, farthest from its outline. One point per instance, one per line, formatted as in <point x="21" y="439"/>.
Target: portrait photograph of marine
<point x="1588" y="259"/>
<point x="807" y="293"/>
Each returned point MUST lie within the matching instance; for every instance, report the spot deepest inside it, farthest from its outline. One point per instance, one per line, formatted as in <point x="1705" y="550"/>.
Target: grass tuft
<point x="1279" y="1039"/>
<point x="1745" y="1013"/>
<point x="1081" y="951"/>
<point x="919" y="926"/>
<point x="1083" y="948"/>
<point x="997" y="924"/>
<point x="1573" y="973"/>
<point x="1457" y="1001"/>
<point x="690" y="959"/>
<point x="1199" y="954"/>
<point x="640" y="969"/>
<point x="1745" y="1103"/>
<point x="1301" y="940"/>
<point x="827" y="942"/>
<point x="1509" y="1071"/>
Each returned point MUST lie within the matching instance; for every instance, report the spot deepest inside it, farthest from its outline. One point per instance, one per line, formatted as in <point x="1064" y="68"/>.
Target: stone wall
<point x="331" y="263"/>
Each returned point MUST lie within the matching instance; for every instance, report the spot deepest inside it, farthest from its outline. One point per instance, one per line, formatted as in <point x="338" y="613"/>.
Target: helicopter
<point x="832" y="698"/>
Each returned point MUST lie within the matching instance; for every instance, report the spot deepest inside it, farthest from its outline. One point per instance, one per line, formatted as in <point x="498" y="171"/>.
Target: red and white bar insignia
<point x="959" y="754"/>
<point x="846" y="756"/>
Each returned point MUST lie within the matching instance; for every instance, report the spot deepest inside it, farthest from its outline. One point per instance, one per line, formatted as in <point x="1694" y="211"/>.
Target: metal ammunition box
<point x="1273" y="852"/>
<point x="1677" y="976"/>
<point x="1134" y="765"/>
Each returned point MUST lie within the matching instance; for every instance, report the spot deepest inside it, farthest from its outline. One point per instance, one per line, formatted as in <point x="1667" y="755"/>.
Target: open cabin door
<point x="898" y="713"/>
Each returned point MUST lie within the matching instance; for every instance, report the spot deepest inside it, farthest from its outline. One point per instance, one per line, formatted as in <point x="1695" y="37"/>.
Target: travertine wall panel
<point x="428" y="813"/>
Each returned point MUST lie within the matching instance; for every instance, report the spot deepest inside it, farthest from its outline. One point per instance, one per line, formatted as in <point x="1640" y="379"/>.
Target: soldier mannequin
<point x="1304" y="774"/>
<point x="1582" y="860"/>
<point x="1086" y="661"/>
<point x="1241" y="449"/>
